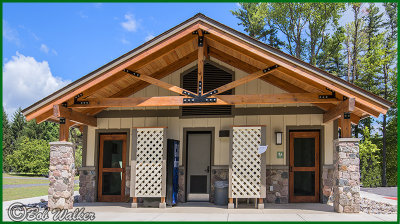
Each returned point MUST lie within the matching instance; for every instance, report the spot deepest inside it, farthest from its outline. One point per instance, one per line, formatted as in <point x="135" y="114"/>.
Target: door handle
<point x="207" y="170"/>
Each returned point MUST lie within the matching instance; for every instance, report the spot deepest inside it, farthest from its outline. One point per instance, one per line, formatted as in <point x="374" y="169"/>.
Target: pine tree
<point x="389" y="74"/>
<point x="7" y="140"/>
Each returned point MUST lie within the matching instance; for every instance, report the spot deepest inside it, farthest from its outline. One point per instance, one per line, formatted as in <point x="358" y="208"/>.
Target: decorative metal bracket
<point x="65" y="104"/>
<point x="346" y="115"/>
<point x="333" y="95"/>
<point x="270" y="68"/>
<point x="76" y="101"/>
<point x="201" y="41"/>
<point x="131" y="72"/>
<point x="345" y="98"/>
<point x="199" y="99"/>
<point x="62" y="120"/>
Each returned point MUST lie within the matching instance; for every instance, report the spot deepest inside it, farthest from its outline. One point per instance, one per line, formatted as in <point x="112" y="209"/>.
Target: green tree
<point x="18" y="125"/>
<point x="331" y="58"/>
<point x="389" y="74"/>
<point x="322" y="15"/>
<point x="31" y="156"/>
<point x="304" y="25"/>
<point x="7" y="139"/>
<point x="46" y="130"/>
<point x="369" y="162"/>
<point x="255" y="23"/>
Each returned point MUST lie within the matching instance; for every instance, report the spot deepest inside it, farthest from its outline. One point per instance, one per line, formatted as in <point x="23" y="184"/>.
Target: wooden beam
<point x="273" y="78"/>
<point x="262" y="55"/>
<point x="337" y="112"/>
<point x="284" y="98"/>
<point x="60" y="111"/>
<point x="200" y="63"/>
<point x="135" y="87"/>
<point x="141" y="58"/>
<point x="43" y="117"/>
<point x="354" y="119"/>
<point x="159" y="83"/>
<point x="242" y="81"/>
<point x="367" y="110"/>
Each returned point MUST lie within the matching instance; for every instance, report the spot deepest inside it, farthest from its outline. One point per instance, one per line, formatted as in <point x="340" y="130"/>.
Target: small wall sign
<point x="279" y="155"/>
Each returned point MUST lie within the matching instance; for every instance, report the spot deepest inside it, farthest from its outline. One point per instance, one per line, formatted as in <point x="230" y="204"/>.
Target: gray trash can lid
<point x="221" y="184"/>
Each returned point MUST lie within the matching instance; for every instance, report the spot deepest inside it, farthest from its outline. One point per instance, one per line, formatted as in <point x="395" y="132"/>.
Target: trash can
<point x="221" y="192"/>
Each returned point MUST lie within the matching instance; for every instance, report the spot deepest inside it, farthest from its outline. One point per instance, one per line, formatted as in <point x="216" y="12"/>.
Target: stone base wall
<point x="127" y="182"/>
<point x="346" y="175"/>
<point x="87" y="184"/>
<point x="61" y="175"/>
<point x="327" y="184"/>
<point x="218" y="174"/>
<point x="278" y="177"/>
<point x="182" y="185"/>
<point x="88" y="187"/>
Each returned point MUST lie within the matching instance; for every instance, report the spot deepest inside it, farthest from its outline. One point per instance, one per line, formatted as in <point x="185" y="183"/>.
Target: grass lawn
<point x="26" y="192"/>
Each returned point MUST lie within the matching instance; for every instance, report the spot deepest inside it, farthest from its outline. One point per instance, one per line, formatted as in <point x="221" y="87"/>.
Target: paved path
<point x="384" y="191"/>
<point x="28" y="178"/>
<point x="22" y="185"/>
<point x="202" y="211"/>
<point x="28" y="185"/>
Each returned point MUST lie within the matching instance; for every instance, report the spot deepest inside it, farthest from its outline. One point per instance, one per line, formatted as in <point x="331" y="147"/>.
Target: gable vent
<point x="214" y="77"/>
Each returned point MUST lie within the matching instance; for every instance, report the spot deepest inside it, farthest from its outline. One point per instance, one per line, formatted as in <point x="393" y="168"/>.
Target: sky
<point x="48" y="45"/>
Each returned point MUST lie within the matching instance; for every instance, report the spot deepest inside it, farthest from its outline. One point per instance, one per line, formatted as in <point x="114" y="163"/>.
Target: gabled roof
<point x="165" y="43"/>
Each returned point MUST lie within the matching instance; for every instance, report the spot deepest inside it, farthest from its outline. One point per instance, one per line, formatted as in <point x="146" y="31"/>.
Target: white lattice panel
<point x="149" y="162"/>
<point x="246" y="162"/>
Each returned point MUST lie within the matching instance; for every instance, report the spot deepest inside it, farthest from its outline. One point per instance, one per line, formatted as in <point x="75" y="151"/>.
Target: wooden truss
<point x="79" y="110"/>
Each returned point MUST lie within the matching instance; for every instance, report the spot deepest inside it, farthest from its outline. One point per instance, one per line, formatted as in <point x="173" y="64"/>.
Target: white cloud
<point x="54" y="52"/>
<point x="10" y="34"/>
<point x="26" y="81"/>
<point x="44" y="48"/>
<point x="125" y="41"/>
<point x="130" y="24"/>
<point x="149" y="37"/>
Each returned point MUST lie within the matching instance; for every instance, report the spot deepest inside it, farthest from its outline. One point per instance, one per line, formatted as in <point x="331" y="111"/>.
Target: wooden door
<point x="304" y="166"/>
<point x="112" y="164"/>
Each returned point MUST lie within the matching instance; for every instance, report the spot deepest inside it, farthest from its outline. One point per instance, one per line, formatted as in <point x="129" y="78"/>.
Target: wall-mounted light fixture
<point x="278" y="136"/>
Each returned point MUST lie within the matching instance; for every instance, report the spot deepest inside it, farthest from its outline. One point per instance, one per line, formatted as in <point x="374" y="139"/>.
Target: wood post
<point x="64" y="130"/>
<point x="345" y="127"/>
<point x="200" y="64"/>
<point x="230" y="200"/>
<point x="260" y="201"/>
<point x="162" y="199"/>
<point x="134" y="200"/>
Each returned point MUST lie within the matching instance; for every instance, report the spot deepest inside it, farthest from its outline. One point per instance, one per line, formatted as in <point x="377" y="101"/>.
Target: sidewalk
<point x="204" y="211"/>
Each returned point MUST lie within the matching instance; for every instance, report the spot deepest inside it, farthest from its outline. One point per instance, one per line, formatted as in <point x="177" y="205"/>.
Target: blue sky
<point x="64" y="41"/>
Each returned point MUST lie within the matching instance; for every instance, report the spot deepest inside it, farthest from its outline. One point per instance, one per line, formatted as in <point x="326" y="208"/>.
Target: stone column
<point x="346" y="175"/>
<point x="87" y="184"/>
<point x="61" y="175"/>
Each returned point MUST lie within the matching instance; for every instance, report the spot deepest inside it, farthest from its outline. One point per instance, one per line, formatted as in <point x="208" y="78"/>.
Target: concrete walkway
<point x="203" y="211"/>
<point x="384" y="191"/>
<point x="377" y="198"/>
